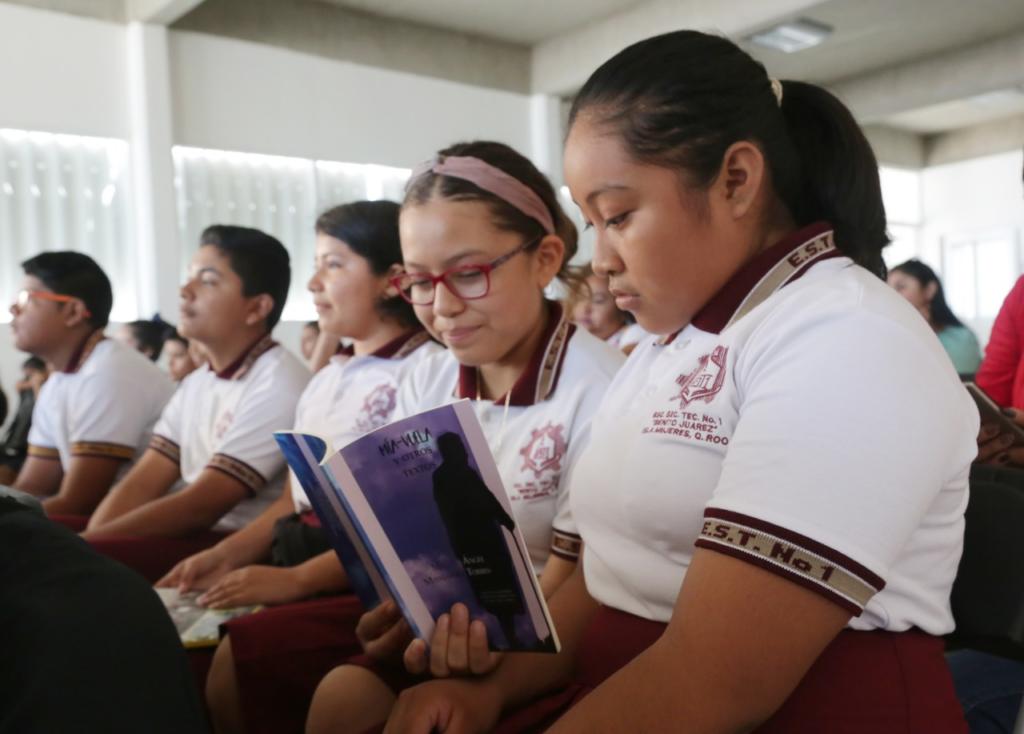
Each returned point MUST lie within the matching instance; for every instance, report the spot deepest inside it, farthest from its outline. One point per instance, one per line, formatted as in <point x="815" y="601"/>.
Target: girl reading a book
<point x="483" y="236"/>
<point x="771" y="502"/>
<point x="283" y="556"/>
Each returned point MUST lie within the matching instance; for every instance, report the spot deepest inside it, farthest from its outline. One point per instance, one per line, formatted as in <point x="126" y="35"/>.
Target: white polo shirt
<point x="807" y="421"/>
<point x="103" y="404"/>
<point x="352" y="394"/>
<point x="226" y="421"/>
<point x="537" y="443"/>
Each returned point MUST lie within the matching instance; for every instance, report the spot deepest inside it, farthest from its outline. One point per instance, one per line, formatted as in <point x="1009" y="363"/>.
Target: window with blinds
<point x="66" y="192"/>
<point x="279" y="195"/>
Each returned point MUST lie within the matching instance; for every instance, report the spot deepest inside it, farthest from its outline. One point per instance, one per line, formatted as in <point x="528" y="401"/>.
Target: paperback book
<point x="417" y="513"/>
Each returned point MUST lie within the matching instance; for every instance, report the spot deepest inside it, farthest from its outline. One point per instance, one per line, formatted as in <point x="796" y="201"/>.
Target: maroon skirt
<point x="154" y="557"/>
<point x="878" y="682"/>
<point x="71" y="522"/>
<point x="282" y="653"/>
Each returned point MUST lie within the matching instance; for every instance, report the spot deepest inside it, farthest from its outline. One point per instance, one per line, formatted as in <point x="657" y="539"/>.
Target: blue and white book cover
<point x="425" y="497"/>
<point x="304" y="454"/>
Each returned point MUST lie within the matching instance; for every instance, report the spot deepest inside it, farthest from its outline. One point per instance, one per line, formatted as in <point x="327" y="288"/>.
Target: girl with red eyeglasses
<point x="482" y="238"/>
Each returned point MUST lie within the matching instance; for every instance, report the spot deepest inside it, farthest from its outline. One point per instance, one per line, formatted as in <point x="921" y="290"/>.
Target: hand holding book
<point x="417" y="514"/>
<point x="459" y="647"/>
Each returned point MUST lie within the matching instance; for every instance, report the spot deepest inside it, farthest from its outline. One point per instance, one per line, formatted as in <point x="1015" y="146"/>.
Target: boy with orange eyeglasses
<point x="95" y="412"/>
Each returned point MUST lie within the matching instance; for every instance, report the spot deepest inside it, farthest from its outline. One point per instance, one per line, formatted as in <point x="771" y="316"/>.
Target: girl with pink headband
<point x="482" y="236"/>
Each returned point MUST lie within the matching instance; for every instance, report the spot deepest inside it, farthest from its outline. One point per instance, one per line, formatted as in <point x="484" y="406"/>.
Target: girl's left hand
<point x="458" y="647"/>
<point x="255" y="585"/>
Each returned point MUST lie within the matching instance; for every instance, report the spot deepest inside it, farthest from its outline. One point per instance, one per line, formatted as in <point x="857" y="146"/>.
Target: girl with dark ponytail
<point x="771" y="501"/>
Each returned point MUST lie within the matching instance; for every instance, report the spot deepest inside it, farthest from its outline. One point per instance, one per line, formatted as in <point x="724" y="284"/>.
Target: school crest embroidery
<point x="377" y="408"/>
<point x="223" y="424"/>
<point x="705" y="381"/>
<point x="544" y="451"/>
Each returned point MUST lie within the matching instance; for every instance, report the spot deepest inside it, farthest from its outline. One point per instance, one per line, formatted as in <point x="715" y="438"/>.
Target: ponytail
<point x="679" y="100"/>
<point x="838" y="173"/>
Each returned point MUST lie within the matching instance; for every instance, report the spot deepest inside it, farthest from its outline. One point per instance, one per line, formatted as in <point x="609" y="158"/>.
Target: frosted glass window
<point x="279" y="195"/>
<point x="979" y="271"/>
<point x="901" y="193"/>
<point x="66" y="192"/>
<point x="996" y="264"/>
<point x="276" y="194"/>
<point x="959" y="279"/>
<point x="903" y="246"/>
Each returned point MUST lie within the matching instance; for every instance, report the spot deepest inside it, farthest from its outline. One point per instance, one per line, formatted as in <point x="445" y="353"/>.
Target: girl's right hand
<point x="200" y="571"/>
<point x="383" y="632"/>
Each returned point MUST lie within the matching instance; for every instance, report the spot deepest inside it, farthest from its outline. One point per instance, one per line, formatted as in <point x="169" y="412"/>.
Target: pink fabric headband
<point x="487" y="177"/>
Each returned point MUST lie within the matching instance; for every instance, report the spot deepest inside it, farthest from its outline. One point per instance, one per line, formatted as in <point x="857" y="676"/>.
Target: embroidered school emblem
<point x="545" y="449"/>
<point x="377" y="408"/>
<point x="705" y="381"/>
<point x="223" y="424"/>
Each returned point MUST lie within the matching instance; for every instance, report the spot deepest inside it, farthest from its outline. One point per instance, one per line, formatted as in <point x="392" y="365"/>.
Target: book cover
<point x="304" y="454"/>
<point x="425" y="500"/>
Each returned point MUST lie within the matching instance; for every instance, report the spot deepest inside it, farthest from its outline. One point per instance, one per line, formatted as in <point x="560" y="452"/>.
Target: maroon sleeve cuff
<point x="791" y="555"/>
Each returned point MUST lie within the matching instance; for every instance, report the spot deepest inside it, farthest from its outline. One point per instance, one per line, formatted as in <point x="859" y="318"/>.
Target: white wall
<point x="62" y="73"/>
<point x="236" y="95"/>
<point x="981" y="198"/>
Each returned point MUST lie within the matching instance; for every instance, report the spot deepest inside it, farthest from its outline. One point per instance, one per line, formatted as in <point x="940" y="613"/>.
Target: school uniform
<point x="806" y="422"/>
<point x="535" y="442"/>
<point x="353" y="395"/>
<point x="282" y="653"/>
<point x="223" y="421"/>
<point x="543" y="431"/>
<point x="103" y="404"/>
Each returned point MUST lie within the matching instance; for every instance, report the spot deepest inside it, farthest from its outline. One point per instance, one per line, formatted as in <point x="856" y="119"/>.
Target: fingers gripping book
<point x="417" y="512"/>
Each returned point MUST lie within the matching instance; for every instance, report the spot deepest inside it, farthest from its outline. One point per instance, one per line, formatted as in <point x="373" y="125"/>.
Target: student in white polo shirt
<point x="94" y="414"/>
<point x="283" y="557"/>
<point x="216" y="434"/>
<point x="772" y="500"/>
<point x="482" y="237"/>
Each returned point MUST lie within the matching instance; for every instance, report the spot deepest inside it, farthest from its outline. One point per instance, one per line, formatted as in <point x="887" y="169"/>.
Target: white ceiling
<point x="518" y="21"/>
<point x="872" y="34"/>
<point x="960" y="113"/>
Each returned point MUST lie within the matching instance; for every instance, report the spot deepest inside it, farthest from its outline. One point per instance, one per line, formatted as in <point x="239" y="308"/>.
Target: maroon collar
<point x="241" y="366"/>
<point x="776" y="267"/>
<point x="402" y="346"/>
<point x="398" y="348"/>
<point x="83" y="351"/>
<point x="540" y="376"/>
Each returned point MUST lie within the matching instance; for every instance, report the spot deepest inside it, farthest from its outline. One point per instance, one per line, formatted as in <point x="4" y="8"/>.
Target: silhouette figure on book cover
<point x="473" y="518"/>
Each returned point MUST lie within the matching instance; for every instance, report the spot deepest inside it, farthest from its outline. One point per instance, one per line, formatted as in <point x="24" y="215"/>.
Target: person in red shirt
<point x="1001" y="375"/>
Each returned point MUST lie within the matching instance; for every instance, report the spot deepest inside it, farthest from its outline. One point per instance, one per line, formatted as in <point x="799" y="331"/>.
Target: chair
<point x="988" y="594"/>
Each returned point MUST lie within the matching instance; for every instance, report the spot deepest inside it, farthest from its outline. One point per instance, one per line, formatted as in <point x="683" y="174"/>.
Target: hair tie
<point x="489" y="178"/>
<point x="776" y="90"/>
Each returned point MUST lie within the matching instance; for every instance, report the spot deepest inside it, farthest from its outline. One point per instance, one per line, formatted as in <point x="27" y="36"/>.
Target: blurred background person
<point x="919" y="284"/>
<point x="14" y="446"/>
<point x="594" y="309"/>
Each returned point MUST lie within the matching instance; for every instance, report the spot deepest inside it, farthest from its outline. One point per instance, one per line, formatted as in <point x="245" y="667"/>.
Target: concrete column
<point x="546" y="135"/>
<point x="151" y="124"/>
